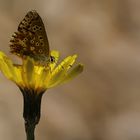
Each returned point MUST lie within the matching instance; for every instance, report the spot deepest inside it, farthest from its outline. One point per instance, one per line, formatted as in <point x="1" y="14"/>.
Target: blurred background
<point x="103" y="103"/>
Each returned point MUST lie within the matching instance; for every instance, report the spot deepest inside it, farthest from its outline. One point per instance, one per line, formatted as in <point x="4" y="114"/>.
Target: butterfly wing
<point x="31" y="38"/>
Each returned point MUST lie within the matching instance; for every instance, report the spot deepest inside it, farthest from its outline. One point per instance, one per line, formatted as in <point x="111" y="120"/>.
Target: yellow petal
<point x="18" y="71"/>
<point x="45" y="76"/>
<point x="37" y="76"/>
<point x="73" y="73"/>
<point x="60" y="71"/>
<point x="68" y="62"/>
<point x="7" y="67"/>
<point x="27" y="71"/>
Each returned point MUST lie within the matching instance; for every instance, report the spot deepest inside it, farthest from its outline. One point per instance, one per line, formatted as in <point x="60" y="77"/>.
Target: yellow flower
<point x="34" y="79"/>
<point x="39" y="78"/>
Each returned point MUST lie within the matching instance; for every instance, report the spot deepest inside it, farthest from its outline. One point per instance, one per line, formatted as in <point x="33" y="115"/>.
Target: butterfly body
<point x="31" y="39"/>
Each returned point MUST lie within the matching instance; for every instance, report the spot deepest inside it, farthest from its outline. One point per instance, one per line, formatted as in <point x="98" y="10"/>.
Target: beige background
<point x="103" y="103"/>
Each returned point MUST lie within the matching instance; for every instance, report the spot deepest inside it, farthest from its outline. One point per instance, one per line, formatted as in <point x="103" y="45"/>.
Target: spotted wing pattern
<point x="31" y="39"/>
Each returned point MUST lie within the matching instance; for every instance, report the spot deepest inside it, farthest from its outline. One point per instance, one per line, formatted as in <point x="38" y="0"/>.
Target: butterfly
<point x="31" y="39"/>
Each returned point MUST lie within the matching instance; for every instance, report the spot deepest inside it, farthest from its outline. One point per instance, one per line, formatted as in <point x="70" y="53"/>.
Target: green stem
<point x="31" y="111"/>
<point x="30" y="131"/>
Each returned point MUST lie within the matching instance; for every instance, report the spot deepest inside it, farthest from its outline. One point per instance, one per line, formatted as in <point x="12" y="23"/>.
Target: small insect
<point x="31" y="39"/>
